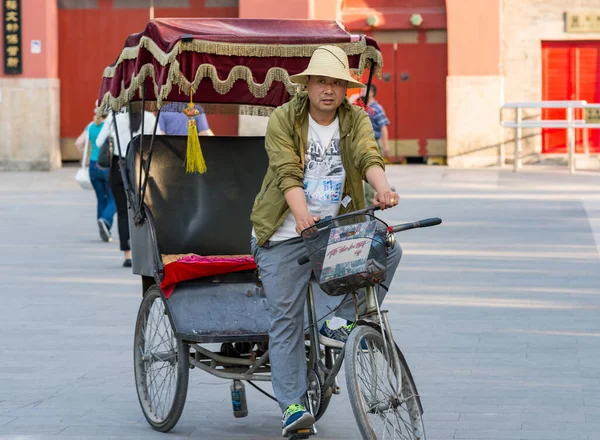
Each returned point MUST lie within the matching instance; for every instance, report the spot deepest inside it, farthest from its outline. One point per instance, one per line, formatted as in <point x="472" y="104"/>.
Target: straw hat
<point x="330" y="61"/>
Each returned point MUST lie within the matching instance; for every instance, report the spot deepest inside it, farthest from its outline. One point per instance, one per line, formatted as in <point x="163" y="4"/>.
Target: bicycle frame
<point x="227" y="367"/>
<point x="233" y="368"/>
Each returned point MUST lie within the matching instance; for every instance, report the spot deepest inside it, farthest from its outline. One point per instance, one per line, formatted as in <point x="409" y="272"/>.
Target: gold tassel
<point x="194" y="159"/>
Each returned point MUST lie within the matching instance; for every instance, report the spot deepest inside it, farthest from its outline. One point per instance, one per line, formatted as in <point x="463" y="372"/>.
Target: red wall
<point x="91" y="39"/>
<point x="394" y="14"/>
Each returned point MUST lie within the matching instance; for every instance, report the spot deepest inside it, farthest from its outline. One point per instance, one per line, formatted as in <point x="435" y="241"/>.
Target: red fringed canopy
<point x="241" y="63"/>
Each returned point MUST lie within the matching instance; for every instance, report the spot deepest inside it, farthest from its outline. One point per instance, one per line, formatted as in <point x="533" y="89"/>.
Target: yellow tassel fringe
<point x="194" y="159"/>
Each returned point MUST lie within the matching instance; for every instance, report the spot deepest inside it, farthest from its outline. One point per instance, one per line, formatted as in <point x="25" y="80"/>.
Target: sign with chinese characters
<point x="11" y="24"/>
<point x="347" y="251"/>
<point x="592" y="115"/>
<point x="582" y="21"/>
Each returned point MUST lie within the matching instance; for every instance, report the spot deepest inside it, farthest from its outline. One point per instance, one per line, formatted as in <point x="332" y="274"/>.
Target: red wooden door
<point x="412" y="91"/>
<point x="421" y="71"/>
<point x="570" y="71"/>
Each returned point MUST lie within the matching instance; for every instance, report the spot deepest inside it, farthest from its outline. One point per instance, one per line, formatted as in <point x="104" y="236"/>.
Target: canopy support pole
<point x="114" y="115"/>
<point x="141" y="211"/>
<point x="139" y="187"/>
<point x="371" y="70"/>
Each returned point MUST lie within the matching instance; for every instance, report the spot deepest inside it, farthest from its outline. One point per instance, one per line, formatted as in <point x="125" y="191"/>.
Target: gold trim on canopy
<point x="368" y="54"/>
<point x="227" y="49"/>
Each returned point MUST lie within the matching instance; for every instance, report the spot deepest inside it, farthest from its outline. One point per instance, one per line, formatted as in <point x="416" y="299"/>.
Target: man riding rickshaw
<point x="304" y="296"/>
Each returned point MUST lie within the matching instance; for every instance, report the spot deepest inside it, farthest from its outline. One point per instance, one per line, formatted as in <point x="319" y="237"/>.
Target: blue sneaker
<point x="296" y="417"/>
<point x="335" y="336"/>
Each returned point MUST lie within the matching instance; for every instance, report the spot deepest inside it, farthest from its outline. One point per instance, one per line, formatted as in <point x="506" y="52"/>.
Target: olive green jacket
<point x="285" y="142"/>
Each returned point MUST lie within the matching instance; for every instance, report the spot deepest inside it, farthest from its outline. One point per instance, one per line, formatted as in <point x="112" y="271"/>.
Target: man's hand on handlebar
<point x="386" y="199"/>
<point x="306" y="221"/>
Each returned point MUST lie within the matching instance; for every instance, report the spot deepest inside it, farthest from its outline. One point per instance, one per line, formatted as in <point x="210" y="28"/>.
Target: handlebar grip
<point x="303" y="260"/>
<point x="420" y="224"/>
<point x="429" y="222"/>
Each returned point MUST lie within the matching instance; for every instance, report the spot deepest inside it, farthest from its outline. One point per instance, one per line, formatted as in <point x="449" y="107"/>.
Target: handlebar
<point x="368" y="210"/>
<point x="425" y="223"/>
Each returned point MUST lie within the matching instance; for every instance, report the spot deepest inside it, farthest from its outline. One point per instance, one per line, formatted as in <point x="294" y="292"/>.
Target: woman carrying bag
<point x="99" y="177"/>
<point x="128" y="125"/>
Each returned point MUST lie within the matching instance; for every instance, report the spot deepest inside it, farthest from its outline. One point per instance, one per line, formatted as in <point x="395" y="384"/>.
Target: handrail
<point x="570" y="124"/>
<point x="544" y="104"/>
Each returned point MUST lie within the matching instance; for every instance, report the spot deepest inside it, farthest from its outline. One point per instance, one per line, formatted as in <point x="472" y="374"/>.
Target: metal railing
<point x="570" y="124"/>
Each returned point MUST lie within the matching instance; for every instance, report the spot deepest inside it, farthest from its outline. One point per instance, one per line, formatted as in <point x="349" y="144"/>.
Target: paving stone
<point x="496" y="312"/>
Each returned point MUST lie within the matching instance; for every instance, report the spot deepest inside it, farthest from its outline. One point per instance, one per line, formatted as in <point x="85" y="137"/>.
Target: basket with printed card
<point x="347" y="253"/>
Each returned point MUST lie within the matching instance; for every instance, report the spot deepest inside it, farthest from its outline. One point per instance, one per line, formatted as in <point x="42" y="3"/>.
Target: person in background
<point x="126" y="124"/>
<point x="379" y="121"/>
<point x="173" y="121"/>
<point x="100" y="178"/>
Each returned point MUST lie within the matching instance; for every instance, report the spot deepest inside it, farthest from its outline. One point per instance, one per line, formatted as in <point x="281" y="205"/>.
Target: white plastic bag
<point x="83" y="173"/>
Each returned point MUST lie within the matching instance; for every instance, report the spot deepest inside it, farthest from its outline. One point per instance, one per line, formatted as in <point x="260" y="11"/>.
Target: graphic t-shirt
<point x="324" y="176"/>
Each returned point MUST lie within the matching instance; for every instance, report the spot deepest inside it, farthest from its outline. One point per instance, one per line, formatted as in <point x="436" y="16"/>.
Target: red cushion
<point x="193" y="266"/>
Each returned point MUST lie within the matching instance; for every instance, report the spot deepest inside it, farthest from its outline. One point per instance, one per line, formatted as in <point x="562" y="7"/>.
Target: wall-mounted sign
<point x="36" y="46"/>
<point x="11" y="25"/>
<point x="582" y="21"/>
<point x="592" y="115"/>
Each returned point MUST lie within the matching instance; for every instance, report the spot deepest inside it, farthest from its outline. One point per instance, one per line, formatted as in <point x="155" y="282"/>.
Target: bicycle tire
<point x="161" y="419"/>
<point x="407" y="415"/>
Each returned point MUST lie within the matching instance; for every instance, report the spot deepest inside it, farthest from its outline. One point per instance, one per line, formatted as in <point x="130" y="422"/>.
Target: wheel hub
<point x="313" y="389"/>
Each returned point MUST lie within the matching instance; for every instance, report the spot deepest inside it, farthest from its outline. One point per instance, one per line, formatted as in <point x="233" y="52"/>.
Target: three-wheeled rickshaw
<point x="190" y="227"/>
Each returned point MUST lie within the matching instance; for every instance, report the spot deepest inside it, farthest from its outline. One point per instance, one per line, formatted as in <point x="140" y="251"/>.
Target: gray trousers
<point x="285" y="283"/>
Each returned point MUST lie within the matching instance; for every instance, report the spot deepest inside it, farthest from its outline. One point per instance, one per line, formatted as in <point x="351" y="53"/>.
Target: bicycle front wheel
<point x="382" y="409"/>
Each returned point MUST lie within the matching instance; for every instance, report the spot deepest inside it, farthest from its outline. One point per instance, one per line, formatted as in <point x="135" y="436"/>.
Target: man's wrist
<point x="383" y="189"/>
<point x="300" y="215"/>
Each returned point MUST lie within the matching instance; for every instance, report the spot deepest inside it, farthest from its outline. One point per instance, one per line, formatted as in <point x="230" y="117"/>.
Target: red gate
<point x="570" y="71"/>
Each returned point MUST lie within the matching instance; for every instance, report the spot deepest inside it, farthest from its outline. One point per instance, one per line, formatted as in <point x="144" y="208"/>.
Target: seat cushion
<point x="183" y="267"/>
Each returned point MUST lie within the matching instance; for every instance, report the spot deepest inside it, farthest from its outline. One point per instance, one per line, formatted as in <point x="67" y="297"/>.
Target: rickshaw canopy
<point x="234" y="65"/>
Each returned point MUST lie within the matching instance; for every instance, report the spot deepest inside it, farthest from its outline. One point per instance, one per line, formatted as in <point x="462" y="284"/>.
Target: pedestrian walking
<point x="100" y="178"/>
<point x="126" y="125"/>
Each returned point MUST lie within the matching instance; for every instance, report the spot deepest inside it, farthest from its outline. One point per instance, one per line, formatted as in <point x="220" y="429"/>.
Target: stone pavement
<point x="497" y="311"/>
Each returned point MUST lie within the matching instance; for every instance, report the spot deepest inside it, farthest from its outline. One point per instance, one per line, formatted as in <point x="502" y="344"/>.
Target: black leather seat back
<point x="206" y="214"/>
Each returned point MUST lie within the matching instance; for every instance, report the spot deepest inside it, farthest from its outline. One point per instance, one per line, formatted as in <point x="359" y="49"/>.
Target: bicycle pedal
<point x="301" y="434"/>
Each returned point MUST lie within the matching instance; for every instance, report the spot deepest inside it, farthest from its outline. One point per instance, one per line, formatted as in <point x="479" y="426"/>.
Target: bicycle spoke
<point x="161" y="334"/>
<point x="407" y="427"/>
<point x="159" y="390"/>
<point x="153" y="322"/>
<point x="374" y="377"/>
<point x="365" y="369"/>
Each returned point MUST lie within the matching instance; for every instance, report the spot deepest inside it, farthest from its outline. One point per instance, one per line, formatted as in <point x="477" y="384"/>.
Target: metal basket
<point x="347" y="253"/>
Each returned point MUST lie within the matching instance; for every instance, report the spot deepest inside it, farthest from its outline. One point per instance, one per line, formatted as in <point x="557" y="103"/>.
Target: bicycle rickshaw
<point x="190" y="230"/>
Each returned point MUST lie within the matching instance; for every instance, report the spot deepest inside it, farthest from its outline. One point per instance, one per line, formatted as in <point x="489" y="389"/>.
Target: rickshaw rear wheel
<point x="161" y="364"/>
